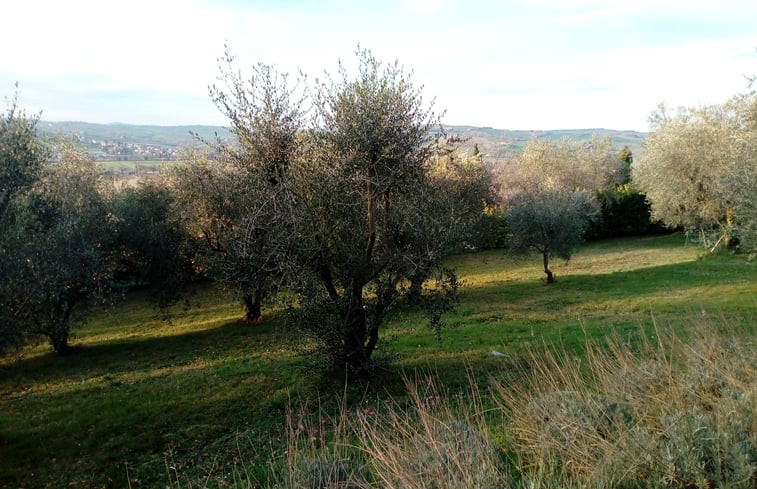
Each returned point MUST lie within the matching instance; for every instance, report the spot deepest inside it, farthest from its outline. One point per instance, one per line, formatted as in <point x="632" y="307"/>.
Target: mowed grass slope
<point x="143" y="398"/>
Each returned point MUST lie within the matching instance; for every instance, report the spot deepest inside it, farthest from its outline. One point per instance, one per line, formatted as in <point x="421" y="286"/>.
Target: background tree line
<point x="348" y="195"/>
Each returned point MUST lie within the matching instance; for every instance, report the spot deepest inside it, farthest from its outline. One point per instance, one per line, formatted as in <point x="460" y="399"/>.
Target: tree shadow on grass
<point x="238" y="338"/>
<point x="113" y="357"/>
<point x="134" y="399"/>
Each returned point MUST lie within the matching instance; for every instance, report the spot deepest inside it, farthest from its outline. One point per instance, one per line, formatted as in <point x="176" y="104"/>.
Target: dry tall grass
<point x="670" y="413"/>
<point x="438" y="441"/>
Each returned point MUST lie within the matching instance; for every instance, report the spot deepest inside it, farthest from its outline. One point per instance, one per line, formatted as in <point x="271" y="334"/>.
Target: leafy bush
<point x="624" y="212"/>
<point x="490" y="232"/>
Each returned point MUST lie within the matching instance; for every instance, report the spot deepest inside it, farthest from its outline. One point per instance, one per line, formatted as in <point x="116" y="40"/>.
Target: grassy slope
<point x="141" y="391"/>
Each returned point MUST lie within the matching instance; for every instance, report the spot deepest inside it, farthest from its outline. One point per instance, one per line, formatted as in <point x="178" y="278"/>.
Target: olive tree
<point x="61" y="249"/>
<point x="550" y="221"/>
<point x="360" y="197"/>
<point x="344" y="210"/>
<point x="22" y="156"/>
<point x="229" y="241"/>
<point x="685" y="165"/>
<point x="231" y="196"/>
<point x="551" y="195"/>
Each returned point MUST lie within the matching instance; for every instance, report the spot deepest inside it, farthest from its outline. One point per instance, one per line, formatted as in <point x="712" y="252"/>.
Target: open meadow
<point x="145" y="402"/>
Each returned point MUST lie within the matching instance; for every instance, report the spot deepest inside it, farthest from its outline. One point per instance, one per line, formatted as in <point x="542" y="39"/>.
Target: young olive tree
<point x="550" y="221"/>
<point x="232" y="201"/>
<point x="360" y="199"/>
<point x="551" y="196"/>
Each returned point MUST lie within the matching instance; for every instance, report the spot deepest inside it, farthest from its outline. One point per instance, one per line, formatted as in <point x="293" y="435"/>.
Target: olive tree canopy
<point x="360" y="200"/>
<point x="60" y="247"/>
<point x="698" y="167"/>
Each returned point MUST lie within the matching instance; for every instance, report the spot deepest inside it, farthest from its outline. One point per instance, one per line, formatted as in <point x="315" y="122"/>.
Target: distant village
<point x="126" y="151"/>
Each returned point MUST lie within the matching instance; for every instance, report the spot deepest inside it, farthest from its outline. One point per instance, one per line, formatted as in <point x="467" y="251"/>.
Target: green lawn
<point x="207" y="390"/>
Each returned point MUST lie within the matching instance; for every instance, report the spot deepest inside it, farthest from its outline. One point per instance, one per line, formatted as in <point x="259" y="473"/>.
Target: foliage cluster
<point x="624" y="211"/>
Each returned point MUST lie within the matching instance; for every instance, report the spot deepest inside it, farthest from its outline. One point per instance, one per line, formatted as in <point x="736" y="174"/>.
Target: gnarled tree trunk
<point x="253" y="307"/>
<point x="356" y="355"/>
<point x="59" y="341"/>
<point x="550" y="275"/>
<point x="59" y="328"/>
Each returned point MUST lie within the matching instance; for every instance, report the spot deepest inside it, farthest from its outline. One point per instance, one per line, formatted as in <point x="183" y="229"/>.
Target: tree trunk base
<point x="253" y="309"/>
<point x="63" y="349"/>
<point x="550" y="277"/>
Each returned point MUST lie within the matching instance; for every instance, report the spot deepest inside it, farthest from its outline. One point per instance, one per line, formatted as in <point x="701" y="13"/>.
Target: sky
<point x="521" y="64"/>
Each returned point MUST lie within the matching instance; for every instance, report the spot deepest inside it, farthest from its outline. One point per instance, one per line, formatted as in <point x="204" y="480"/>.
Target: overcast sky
<point x="527" y="64"/>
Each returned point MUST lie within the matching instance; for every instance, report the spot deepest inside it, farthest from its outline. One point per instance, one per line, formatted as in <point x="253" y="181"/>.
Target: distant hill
<point x="168" y="136"/>
<point x="497" y="144"/>
<point x="141" y="142"/>
<point x="128" y="142"/>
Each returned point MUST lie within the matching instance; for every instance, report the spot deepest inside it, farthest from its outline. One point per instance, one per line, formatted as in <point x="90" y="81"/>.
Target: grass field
<point x="117" y="168"/>
<point x="143" y="400"/>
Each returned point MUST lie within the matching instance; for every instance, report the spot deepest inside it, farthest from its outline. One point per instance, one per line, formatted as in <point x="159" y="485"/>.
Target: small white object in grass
<point x="499" y="354"/>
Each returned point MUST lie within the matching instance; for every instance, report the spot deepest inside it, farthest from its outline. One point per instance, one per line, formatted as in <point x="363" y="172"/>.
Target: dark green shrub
<point x="624" y="212"/>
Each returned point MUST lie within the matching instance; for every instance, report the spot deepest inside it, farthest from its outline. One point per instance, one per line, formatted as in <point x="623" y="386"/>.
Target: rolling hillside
<point x="497" y="144"/>
<point x="139" y="142"/>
